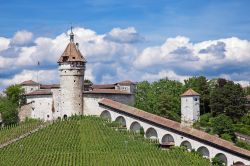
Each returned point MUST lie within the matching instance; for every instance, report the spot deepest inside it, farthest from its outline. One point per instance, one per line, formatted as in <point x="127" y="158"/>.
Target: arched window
<point x="106" y="115"/>
<point x="135" y="126"/>
<point x="121" y="120"/>
<point x="168" y="139"/>
<point x="203" y="151"/>
<point x="222" y="158"/>
<point x="187" y="144"/>
<point x="151" y="133"/>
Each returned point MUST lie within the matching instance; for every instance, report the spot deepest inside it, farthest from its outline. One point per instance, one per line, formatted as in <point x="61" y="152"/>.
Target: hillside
<point x="91" y="141"/>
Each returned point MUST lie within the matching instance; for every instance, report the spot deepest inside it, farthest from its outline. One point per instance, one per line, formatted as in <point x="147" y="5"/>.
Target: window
<point x="74" y="80"/>
<point x="195" y="99"/>
<point x="47" y="116"/>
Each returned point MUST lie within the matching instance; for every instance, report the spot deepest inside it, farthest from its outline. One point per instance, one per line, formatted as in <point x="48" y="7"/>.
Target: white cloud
<point x="4" y="43"/>
<point x="114" y="56"/>
<point x="164" y="74"/>
<point x="128" y="35"/>
<point x="43" y="76"/>
<point x="21" y="38"/>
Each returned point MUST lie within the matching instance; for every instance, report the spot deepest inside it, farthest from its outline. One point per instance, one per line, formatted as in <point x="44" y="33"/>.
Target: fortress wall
<point x="91" y="106"/>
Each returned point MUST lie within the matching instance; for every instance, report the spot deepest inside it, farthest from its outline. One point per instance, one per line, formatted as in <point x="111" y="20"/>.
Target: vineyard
<point x="91" y="141"/>
<point x="10" y="132"/>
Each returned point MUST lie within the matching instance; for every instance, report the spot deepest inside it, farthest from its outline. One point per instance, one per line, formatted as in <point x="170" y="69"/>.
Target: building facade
<point x="71" y="96"/>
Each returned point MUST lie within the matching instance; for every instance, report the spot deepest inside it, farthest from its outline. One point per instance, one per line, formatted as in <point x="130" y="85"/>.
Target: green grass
<point x="90" y="141"/>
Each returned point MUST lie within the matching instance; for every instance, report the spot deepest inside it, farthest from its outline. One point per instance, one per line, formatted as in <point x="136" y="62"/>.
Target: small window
<point x="74" y="80"/>
<point x="65" y="71"/>
<point x="74" y="57"/>
<point x="31" y="88"/>
<point x="47" y="116"/>
<point x="195" y="99"/>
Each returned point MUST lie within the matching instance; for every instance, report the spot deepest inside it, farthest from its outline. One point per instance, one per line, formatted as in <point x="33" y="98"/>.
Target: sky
<point x="135" y="40"/>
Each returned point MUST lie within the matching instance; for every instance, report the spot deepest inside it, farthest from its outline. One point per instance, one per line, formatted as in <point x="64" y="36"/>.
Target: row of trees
<point x="9" y="103"/>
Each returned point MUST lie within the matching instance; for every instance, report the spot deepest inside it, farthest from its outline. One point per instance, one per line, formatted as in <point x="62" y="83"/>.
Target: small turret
<point x="190" y="107"/>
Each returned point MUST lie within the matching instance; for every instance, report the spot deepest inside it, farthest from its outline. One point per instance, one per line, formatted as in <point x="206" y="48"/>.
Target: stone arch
<point x="238" y="163"/>
<point x="151" y="133"/>
<point x="222" y="158"/>
<point x="106" y="115"/>
<point x="168" y="139"/>
<point x="135" y="126"/>
<point x="121" y="120"/>
<point x="187" y="144"/>
<point x="203" y="151"/>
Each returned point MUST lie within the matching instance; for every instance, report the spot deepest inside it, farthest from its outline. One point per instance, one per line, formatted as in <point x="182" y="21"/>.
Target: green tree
<point x="160" y="97"/>
<point x="222" y="124"/>
<point x="227" y="98"/>
<point x="200" y="84"/>
<point x="15" y="93"/>
<point x="9" y="112"/>
<point x="167" y="108"/>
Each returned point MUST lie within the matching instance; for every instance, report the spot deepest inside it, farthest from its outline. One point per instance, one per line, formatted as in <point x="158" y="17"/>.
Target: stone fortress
<point x="114" y="102"/>
<point x="72" y="96"/>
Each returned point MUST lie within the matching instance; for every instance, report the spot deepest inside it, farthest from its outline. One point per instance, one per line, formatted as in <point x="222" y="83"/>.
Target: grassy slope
<point x="88" y="141"/>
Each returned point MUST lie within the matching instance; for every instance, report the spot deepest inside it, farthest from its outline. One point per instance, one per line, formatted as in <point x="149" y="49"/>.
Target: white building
<point x="190" y="107"/>
<point x="71" y="96"/>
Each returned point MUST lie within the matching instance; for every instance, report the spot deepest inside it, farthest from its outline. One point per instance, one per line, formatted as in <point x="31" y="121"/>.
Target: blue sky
<point x="144" y="27"/>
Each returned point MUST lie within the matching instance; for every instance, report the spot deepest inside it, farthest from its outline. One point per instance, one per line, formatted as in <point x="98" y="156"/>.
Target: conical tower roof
<point x="72" y="52"/>
<point x="190" y="92"/>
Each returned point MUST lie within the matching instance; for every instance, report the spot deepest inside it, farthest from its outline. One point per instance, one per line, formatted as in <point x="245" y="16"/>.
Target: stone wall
<point x="91" y="105"/>
<point x="25" y="111"/>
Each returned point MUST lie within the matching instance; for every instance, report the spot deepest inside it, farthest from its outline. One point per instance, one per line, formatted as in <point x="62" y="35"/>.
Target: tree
<point x="160" y="97"/>
<point x="166" y="107"/>
<point x="88" y="82"/>
<point x="9" y="112"/>
<point x="227" y="98"/>
<point x="200" y="85"/>
<point x="222" y="124"/>
<point x="15" y="93"/>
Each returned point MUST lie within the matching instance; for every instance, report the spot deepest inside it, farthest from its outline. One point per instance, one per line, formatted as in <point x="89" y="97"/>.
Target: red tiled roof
<point x="126" y="82"/>
<point x="103" y="86"/>
<point x="40" y="92"/>
<point x="52" y="86"/>
<point x="190" y="92"/>
<point x="29" y="82"/>
<point x="106" y="91"/>
<point x="200" y="135"/>
<point x="71" y="54"/>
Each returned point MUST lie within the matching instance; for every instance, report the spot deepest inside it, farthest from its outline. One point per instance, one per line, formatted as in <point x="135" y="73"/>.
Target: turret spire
<point x="71" y="35"/>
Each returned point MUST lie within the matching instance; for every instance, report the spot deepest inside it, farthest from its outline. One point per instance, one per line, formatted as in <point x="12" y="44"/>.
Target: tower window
<point x="195" y="99"/>
<point x="74" y="57"/>
<point x="65" y="71"/>
<point x="74" y="80"/>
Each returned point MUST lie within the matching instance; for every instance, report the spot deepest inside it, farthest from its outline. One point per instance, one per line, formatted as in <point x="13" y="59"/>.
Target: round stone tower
<point x="71" y="69"/>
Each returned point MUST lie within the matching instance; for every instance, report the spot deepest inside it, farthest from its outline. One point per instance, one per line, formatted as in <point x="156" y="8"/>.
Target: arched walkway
<point x="121" y="120"/>
<point x="135" y="126"/>
<point x="106" y="115"/>
<point x="151" y="133"/>
<point x="238" y="163"/>
<point x="167" y="139"/>
<point x="221" y="157"/>
<point x="187" y="145"/>
<point x="203" y="151"/>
